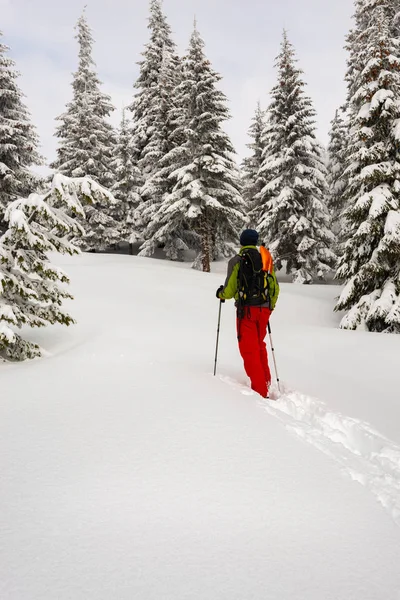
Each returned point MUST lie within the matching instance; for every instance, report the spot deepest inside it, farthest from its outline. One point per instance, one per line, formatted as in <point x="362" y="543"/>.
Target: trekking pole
<point x="273" y="355"/>
<point x="216" y="348"/>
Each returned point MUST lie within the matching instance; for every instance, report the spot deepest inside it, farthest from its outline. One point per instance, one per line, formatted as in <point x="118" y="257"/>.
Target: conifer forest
<point x="169" y="179"/>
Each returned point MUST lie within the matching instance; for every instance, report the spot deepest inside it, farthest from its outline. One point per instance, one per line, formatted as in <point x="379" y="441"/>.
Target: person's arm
<point x="273" y="289"/>
<point x="230" y="289"/>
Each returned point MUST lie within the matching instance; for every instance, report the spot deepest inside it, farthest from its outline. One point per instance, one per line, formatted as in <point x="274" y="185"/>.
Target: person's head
<point x="249" y="237"/>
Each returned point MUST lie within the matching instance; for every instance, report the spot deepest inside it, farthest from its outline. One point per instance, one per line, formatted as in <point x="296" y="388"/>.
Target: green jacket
<point x="231" y="287"/>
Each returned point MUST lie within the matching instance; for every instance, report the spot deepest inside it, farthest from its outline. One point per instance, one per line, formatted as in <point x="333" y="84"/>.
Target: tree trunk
<point x="205" y="244"/>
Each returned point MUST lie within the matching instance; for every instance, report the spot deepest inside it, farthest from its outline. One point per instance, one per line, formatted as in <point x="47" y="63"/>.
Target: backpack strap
<point x="247" y="281"/>
<point x="251" y="285"/>
<point x="241" y="301"/>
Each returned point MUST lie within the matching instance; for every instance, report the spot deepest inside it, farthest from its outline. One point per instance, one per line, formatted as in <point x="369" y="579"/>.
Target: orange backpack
<point x="267" y="260"/>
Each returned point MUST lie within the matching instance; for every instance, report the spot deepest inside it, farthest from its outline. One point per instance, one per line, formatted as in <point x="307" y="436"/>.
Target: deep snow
<point x="128" y="471"/>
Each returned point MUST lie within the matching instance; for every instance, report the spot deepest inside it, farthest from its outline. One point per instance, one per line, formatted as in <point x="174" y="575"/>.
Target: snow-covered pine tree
<point x="160" y="72"/>
<point x="356" y="39"/>
<point x="256" y="208"/>
<point x="87" y="140"/>
<point x="31" y="288"/>
<point x="162" y="183"/>
<point x="18" y="139"/>
<point x="356" y="43"/>
<point x="165" y="137"/>
<point x="336" y="168"/>
<point x="252" y="184"/>
<point x="127" y="183"/>
<point x="290" y="211"/>
<point x="205" y="201"/>
<point x="146" y="105"/>
<point x="370" y="264"/>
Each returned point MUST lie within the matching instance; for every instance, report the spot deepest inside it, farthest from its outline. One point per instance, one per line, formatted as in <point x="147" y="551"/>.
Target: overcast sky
<point x="242" y="40"/>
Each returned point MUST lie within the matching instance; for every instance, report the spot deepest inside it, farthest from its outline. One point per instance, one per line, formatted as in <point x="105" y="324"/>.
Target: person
<point x="252" y="282"/>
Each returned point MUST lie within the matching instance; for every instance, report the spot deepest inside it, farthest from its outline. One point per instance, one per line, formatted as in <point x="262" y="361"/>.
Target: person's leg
<point x="263" y="319"/>
<point x="248" y="333"/>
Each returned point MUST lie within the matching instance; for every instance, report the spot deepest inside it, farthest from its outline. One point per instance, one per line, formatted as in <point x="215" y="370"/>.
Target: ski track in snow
<point x="362" y="452"/>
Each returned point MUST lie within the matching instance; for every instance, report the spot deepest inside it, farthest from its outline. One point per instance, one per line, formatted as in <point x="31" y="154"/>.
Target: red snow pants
<point x="252" y="330"/>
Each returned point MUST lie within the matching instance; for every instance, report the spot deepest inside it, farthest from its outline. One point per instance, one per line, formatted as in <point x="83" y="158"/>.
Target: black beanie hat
<point x="249" y="237"/>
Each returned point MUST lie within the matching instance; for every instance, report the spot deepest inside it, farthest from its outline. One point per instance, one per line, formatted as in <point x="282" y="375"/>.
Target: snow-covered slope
<point x="128" y="471"/>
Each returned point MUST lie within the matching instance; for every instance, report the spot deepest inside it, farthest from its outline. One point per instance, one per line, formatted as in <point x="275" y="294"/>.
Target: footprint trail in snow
<point x="362" y="452"/>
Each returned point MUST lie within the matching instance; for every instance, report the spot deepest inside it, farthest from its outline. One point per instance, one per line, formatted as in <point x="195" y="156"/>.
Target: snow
<point x="7" y="313"/>
<point x="396" y="129"/>
<point x="392" y="224"/>
<point x="382" y="96"/>
<point x="129" y="471"/>
<point x="377" y="198"/>
<point x="16" y="218"/>
<point x="384" y="305"/>
<point x="6" y="332"/>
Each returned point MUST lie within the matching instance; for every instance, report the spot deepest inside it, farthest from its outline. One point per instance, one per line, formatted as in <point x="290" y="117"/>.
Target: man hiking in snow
<point x="251" y="281"/>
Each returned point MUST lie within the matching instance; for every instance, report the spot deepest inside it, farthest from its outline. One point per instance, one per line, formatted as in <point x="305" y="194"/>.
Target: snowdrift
<point x="128" y="471"/>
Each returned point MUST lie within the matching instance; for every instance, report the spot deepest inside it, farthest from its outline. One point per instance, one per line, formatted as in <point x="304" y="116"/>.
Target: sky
<point x="242" y="40"/>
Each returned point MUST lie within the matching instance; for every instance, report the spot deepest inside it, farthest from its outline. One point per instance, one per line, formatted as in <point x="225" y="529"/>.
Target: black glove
<point x="219" y="290"/>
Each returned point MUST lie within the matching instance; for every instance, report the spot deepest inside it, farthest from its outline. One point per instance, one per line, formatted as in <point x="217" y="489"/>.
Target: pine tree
<point x="290" y="211"/>
<point x="356" y="42"/>
<point x="146" y="105"/>
<point x="101" y="230"/>
<point x="205" y="203"/>
<point x="370" y="264"/>
<point x="252" y="184"/>
<point x="165" y="138"/>
<point x="257" y="205"/>
<point x="356" y="39"/>
<point x="87" y="139"/>
<point x="18" y="139"/>
<point x="127" y="183"/>
<point x="336" y="169"/>
<point x="31" y="288"/>
<point x="160" y="71"/>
